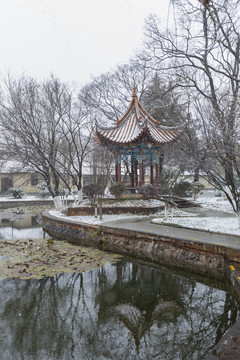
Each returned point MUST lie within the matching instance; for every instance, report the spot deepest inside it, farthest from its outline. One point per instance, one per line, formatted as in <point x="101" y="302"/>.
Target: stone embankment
<point x="24" y="203"/>
<point x="27" y="203"/>
<point x="194" y="256"/>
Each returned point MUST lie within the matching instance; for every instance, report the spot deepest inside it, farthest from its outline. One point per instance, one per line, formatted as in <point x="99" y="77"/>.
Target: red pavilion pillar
<point x="132" y="171"/>
<point x="119" y="166"/>
<point x="116" y="167"/>
<point x="157" y="169"/>
<point x="140" y="168"/>
<point x="157" y="175"/>
<point x="151" y="170"/>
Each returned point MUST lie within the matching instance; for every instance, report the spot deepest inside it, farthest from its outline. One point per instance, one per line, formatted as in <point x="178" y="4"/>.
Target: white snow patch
<point x="215" y="203"/>
<point x="175" y="213"/>
<point x="12" y="233"/>
<point x="91" y="219"/>
<point x="223" y="225"/>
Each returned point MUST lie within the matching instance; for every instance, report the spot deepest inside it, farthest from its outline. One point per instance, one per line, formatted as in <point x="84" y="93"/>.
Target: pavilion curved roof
<point x="136" y="124"/>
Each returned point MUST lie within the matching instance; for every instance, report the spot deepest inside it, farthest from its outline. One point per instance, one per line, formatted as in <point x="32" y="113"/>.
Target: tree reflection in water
<point x="122" y="311"/>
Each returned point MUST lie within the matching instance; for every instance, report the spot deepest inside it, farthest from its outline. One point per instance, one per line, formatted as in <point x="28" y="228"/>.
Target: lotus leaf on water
<point x="27" y="259"/>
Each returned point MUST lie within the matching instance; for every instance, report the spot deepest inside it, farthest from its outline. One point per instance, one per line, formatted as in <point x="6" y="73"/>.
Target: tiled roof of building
<point x="134" y="125"/>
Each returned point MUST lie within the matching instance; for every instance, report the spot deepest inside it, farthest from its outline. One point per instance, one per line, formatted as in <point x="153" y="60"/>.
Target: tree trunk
<point x="196" y="175"/>
<point x="80" y="196"/>
<point x="100" y="207"/>
<point x="58" y="202"/>
<point x="238" y="217"/>
<point x="160" y="169"/>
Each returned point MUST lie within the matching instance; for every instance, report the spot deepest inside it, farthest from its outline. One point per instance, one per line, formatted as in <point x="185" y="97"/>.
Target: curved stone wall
<point x="195" y="257"/>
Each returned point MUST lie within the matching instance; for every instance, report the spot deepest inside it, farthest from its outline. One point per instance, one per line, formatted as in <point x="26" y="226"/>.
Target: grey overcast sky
<point x="73" y="39"/>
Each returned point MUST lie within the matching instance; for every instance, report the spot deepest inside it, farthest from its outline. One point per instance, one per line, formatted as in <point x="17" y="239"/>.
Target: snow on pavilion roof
<point x="134" y="125"/>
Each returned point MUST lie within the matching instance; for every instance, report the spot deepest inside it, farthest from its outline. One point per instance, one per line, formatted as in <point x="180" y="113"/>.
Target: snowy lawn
<point x="152" y="203"/>
<point x="174" y="212"/>
<point x="92" y="220"/>
<point x="215" y="203"/>
<point x="186" y="219"/>
<point x="226" y="225"/>
<point x="182" y="218"/>
<point x="222" y="225"/>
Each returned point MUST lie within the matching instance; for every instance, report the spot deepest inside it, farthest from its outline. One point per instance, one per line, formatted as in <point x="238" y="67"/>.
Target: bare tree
<point x="45" y="127"/>
<point x="99" y="162"/>
<point x="109" y="93"/>
<point x="28" y="137"/>
<point x="202" y="56"/>
<point x="77" y="129"/>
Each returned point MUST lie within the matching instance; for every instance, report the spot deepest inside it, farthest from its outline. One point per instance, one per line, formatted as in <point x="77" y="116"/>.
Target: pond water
<point x="22" y="227"/>
<point x="129" y="310"/>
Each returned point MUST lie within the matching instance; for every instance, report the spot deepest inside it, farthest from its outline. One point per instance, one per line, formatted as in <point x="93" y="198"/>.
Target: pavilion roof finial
<point x="135" y="126"/>
<point x="134" y="93"/>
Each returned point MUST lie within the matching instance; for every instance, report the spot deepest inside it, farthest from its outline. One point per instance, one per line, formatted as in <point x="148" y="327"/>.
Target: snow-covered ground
<point x="228" y="225"/>
<point x="96" y="221"/>
<point x="92" y="220"/>
<point x="215" y="224"/>
<point x="215" y="203"/>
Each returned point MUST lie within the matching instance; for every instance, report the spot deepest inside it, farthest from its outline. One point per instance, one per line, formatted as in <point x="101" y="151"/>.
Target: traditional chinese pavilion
<point x="137" y="137"/>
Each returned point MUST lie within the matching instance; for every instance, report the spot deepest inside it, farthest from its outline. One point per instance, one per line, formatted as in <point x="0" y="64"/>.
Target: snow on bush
<point x="148" y="191"/>
<point x="17" y="193"/>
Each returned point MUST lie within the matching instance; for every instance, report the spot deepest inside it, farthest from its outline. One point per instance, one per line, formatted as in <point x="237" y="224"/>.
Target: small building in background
<point x="25" y="180"/>
<point x="12" y="177"/>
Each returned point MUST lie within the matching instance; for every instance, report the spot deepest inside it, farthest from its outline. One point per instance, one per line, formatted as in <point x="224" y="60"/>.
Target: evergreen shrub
<point x="148" y="191"/>
<point x="117" y="189"/>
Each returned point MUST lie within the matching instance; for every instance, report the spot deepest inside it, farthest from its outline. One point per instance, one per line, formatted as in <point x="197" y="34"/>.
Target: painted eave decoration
<point x="134" y="126"/>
